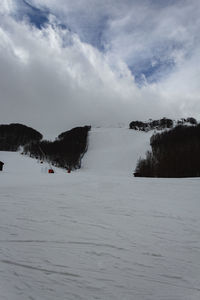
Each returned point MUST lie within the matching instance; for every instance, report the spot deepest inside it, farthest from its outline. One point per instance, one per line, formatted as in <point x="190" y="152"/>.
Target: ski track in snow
<point x="98" y="233"/>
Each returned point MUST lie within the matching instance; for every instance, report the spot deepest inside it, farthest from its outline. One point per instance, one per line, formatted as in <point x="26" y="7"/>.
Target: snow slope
<point x="98" y="233"/>
<point x="115" y="150"/>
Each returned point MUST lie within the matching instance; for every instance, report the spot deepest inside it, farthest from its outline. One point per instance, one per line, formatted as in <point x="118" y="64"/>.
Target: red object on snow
<point x="69" y="171"/>
<point x="51" y="171"/>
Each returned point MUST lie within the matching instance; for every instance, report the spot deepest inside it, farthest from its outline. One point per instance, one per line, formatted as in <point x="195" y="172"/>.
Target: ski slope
<point x="115" y="150"/>
<point x="98" y="233"/>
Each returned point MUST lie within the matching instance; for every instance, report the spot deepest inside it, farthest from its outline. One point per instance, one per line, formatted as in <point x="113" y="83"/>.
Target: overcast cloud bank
<point x="98" y="63"/>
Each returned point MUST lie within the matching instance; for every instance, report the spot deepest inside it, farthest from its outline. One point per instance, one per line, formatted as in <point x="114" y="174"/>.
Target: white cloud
<point x="51" y="80"/>
<point x="7" y="6"/>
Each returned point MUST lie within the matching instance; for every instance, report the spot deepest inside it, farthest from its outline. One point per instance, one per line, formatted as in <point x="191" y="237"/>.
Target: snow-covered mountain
<point x="98" y="232"/>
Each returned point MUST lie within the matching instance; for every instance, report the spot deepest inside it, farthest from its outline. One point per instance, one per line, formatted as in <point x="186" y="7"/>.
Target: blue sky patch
<point x="149" y="72"/>
<point x="36" y="16"/>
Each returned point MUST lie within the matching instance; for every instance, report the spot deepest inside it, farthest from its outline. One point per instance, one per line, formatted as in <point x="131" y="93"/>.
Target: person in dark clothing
<point x="1" y="166"/>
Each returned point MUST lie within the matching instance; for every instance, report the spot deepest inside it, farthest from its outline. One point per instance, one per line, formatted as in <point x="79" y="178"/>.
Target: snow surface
<point x="98" y="233"/>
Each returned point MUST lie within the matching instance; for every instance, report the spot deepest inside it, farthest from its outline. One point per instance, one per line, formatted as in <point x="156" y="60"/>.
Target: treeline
<point x="14" y="135"/>
<point x="66" y="151"/>
<point x="160" y="124"/>
<point x="175" y="153"/>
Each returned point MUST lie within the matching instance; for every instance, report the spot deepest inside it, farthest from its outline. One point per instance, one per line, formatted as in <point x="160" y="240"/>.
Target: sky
<point x="70" y="63"/>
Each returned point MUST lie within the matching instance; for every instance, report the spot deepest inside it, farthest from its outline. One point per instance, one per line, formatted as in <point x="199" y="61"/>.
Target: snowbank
<point x="98" y="232"/>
